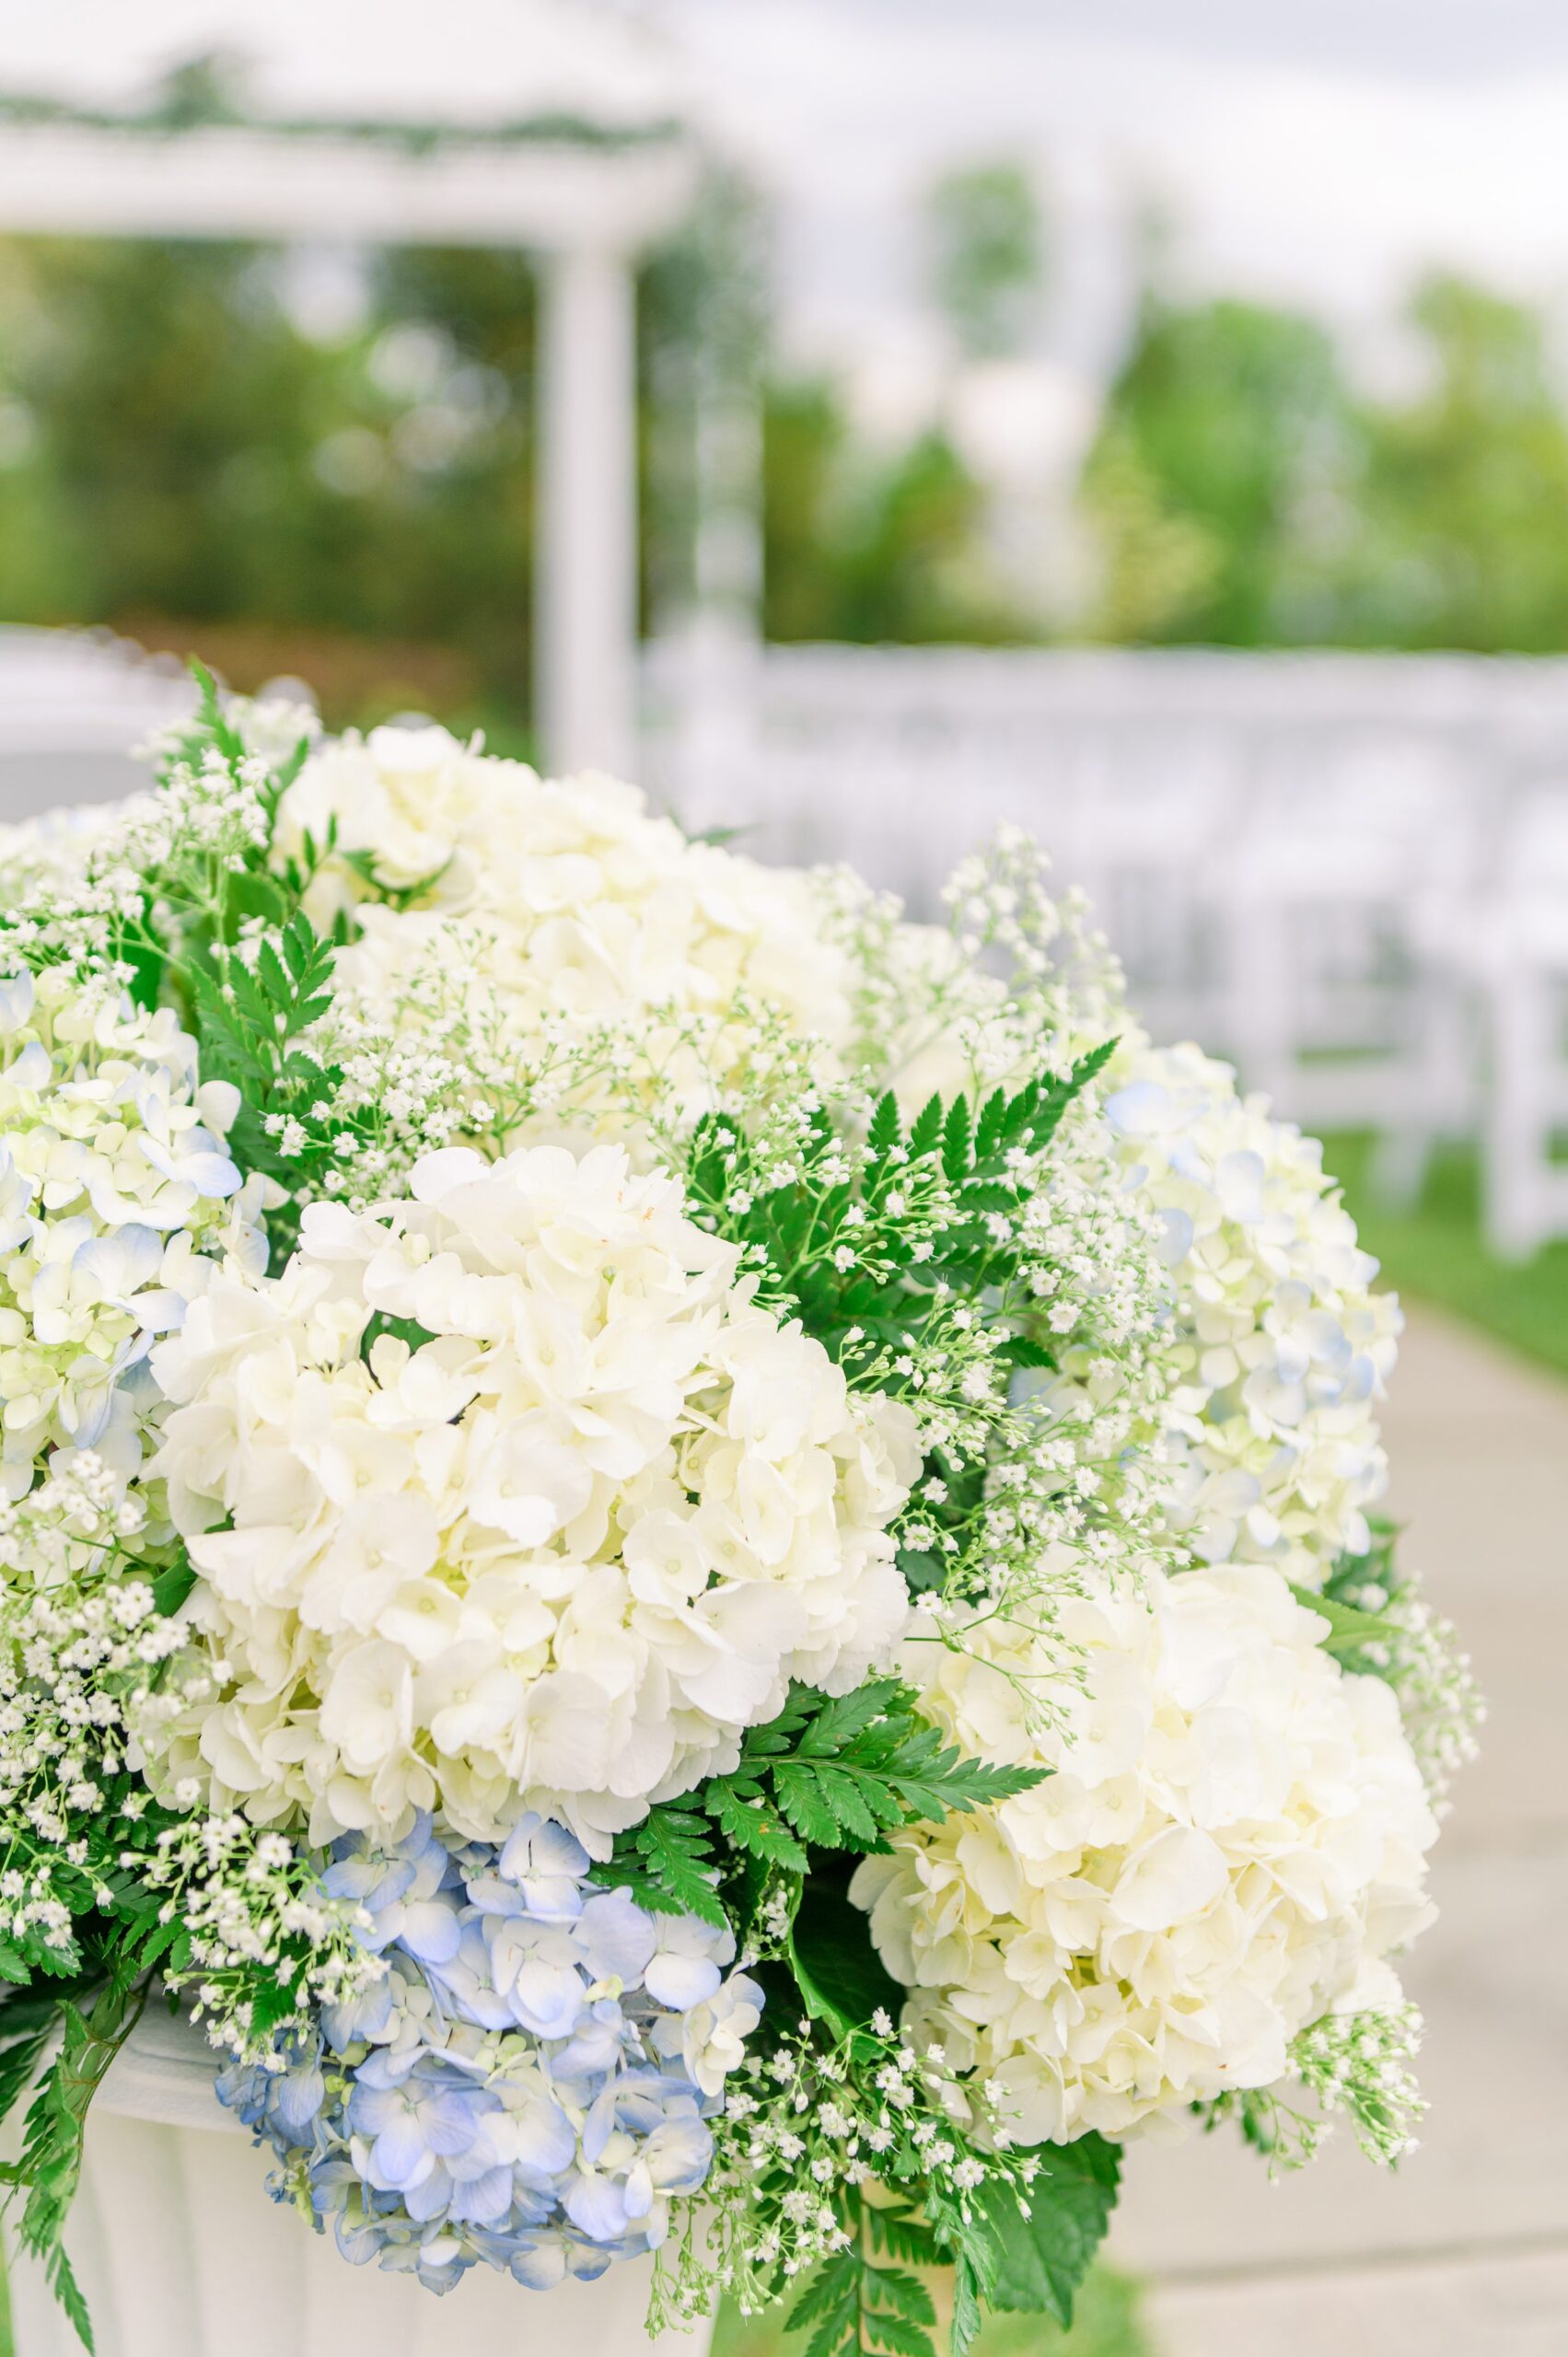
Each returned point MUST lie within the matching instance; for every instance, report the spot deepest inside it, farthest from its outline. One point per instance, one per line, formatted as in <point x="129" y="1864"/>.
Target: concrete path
<point x="1464" y="2253"/>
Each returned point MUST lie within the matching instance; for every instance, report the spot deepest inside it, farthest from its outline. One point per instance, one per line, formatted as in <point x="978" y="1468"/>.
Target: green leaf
<point x="894" y="2336"/>
<point x="1041" y="2260"/>
<point x="968" y="2314"/>
<point x="825" y="2292"/>
<point x="991" y="1125"/>
<point x="27" y="2024"/>
<point x="958" y="1140"/>
<point x="853" y="2305"/>
<point x="68" y="2290"/>
<point x="52" y="2148"/>
<point x="806" y="1800"/>
<point x="270" y="974"/>
<point x="927" y="1129"/>
<point x="895" y="2288"/>
<point x="1350" y="1629"/>
<point x="841" y="1773"/>
<point x="836" y="1970"/>
<point x="667" y="1864"/>
<point x="828" y="1724"/>
<point x="901" y="2233"/>
<point x="754" y="1827"/>
<point x="886" y="1127"/>
<point x="172" y="1587"/>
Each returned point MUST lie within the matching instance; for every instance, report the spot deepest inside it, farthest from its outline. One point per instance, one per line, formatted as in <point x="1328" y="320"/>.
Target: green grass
<point x="1105" y="2324"/>
<point x="1436" y="1252"/>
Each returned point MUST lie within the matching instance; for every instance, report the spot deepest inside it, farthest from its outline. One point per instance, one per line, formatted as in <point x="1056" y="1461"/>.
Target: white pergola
<point x="552" y="126"/>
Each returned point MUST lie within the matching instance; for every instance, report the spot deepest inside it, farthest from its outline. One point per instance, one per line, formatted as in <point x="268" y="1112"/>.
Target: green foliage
<point x="335" y="475"/>
<point x="1243" y="493"/>
<point x="826" y="1774"/>
<point x="841" y="1979"/>
<point x="868" y="548"/>
<point x="842" y="1772"/>
<point x="205" y="449"/>
<point x="667" y="1864"/>
<point x="1350" y="1630"/>
<point x="856" y="2306"/>
<point x="862" y="1253"/>
<point x="50" y="2162"/>
<point x="203" y="452"/>
<point x="1041" y="2258"/>
<point x="250" y="1013"/>
<point x="1224" y="423"/>
<point x="1463" y="486"/>
<point x="1105" y="2324"/>
<point x="1030" y="2256"/>
<point x="230" y="941"/>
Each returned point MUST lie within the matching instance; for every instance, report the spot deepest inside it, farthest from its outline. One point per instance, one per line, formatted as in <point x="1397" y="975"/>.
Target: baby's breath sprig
<point x="252" y="1937"/>
<point x="1417" y="1651"/>
<point x="1355" y="2065"/>
<point x="81" y="1637"/>
<point x="844" y="2162"/>
<point x="809" y="2123"/>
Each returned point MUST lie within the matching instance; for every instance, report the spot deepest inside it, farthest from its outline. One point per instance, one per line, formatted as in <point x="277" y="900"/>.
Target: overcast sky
<point x="1406" y="40"/>
<point x="1317" y="151"/>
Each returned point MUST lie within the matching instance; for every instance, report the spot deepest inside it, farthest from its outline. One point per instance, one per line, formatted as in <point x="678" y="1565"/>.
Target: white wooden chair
<point x="1518" y="951"/>
<point x="1350" y="838"/>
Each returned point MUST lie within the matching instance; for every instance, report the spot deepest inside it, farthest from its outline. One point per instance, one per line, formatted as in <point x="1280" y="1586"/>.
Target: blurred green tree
<point x="1211" y="486"/>
<point x="987" y="256"/>
<point x="189" y="451"/>
<point x="1241" y="491"/>
<point x="195" y="458"/>
<point x="867" y="546"/>
<point x="1464" y="499"/>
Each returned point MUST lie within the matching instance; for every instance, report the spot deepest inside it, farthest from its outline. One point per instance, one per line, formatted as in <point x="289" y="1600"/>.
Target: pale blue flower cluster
<point x="527" y="2085"/>
<point x="1282" y="1348"/>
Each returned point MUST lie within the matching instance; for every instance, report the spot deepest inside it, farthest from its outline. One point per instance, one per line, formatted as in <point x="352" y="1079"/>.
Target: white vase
<point x="180" y="2252"/>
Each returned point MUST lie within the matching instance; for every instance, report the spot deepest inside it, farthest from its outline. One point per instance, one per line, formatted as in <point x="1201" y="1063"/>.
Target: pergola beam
<point x="231" y="182"/>
<point x="586" y="208"/>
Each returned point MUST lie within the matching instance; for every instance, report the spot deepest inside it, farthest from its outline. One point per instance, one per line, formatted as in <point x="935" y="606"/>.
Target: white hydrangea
<point x="576" y="901"/>
<point x="525" y="1504"/>
<point x="1230" y="1844"/>
<point x="1282" y="1348"/>
<point x="113" y="1171"/>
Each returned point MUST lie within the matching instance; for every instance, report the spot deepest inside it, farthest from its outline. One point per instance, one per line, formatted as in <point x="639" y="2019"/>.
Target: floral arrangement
<point x="698" y="1565"/>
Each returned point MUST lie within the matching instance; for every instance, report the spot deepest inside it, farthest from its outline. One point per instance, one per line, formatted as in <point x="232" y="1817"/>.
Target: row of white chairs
<point x="1351" y="878"/>
<point x="1365" y="907"/>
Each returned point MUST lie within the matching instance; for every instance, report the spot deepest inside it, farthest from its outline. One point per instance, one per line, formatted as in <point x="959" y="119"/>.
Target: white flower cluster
<point x="42" y="853"/>
<point x="1283" y="1349"/>
<point x="112" y="1173"/>
<point x="1231" y="1841"/>
<point x="1017" y="983"/>
<point x="577" y="903"/>
<point x="77" y="1637"/>
<point x="525" y="1504"/>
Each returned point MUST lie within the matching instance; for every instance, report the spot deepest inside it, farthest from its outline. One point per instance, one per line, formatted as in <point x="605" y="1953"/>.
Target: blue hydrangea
<point x="530" y="2082"/>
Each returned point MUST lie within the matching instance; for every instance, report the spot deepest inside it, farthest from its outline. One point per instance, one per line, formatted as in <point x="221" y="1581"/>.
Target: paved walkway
<point x="1464" y="2253"/>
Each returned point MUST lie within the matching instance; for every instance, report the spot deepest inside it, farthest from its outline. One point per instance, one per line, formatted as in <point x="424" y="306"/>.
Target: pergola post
<point x="586" y="566"/>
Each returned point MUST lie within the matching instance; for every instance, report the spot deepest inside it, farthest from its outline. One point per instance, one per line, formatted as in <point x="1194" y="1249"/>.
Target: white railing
<point x="1317" y="862"/>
